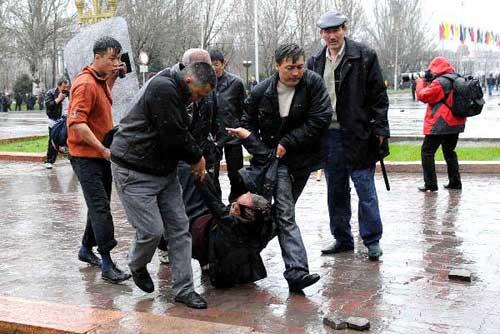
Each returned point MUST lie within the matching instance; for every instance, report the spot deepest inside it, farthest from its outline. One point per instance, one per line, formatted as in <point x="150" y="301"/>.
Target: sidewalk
<point x="425" y="236"/>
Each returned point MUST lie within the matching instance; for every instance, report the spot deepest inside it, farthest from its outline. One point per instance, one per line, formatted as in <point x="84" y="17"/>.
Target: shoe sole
<point x="345" y="250"/>
<point x="375" y="258"/>
<point x="299" y="289"/>
<point x="114" y="281"/>
<point x="201" y="307"/>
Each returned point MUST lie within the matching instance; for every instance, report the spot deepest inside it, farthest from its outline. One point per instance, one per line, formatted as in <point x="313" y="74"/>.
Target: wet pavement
<point x="425" y="235"/>
<point x="405" y="117"/>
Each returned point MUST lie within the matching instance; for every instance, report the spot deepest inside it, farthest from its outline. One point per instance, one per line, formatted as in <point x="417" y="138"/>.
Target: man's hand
<point x="120" y="70"/>
<point x="280" y="151"/>
<point x="240" y="133"/>
<point x="106" y="153"/>
<point x="60" y="97"/>
<point x="199" y="169"/>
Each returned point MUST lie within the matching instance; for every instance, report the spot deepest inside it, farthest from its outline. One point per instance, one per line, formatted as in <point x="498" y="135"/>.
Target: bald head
<point x="194" y="56"/>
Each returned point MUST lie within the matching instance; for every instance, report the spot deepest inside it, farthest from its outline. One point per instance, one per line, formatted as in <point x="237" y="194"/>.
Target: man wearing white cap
<point x="357" y="134"/>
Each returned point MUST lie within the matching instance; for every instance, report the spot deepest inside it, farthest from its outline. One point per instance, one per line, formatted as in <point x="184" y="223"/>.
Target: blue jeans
<point x="337" y="173"/>
<point x="292" y="248"/>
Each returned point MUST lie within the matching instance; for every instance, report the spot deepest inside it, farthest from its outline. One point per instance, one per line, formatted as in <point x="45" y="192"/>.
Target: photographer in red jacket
<point x="441" y="127"/>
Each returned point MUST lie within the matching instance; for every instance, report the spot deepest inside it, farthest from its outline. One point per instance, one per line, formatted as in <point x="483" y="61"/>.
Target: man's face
<point x="334" y="37"/>
<point x="197" y="91"/>
<point x="63" y="87"/>
<point x="291" y="72"/>
<point x="107" y="63"/>
<point x="218" y="67"/>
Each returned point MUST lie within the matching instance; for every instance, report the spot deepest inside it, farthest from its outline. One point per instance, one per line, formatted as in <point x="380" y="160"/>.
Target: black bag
<point x="59" y="134"/>
<point x="467" y="95"/>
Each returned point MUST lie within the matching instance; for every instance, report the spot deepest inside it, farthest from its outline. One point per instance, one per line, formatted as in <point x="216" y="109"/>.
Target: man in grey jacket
<point x="152" y="138"/>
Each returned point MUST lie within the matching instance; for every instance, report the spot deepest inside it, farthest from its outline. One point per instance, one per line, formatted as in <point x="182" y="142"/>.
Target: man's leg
<point x="449" y="144"/>
<point x="234" y="162"/>
<point x="428" y="150"/>
<point x="176" y="226"/>
<point x="95" y="179"/>
<point x="51" y="151"/>
<point x="339" y="194"/>
<point x="289" y="237"/>
<point x="370" y="224"/>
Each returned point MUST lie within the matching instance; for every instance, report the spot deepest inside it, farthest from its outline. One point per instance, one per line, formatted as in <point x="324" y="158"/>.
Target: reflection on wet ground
<point x="42" y="218"/>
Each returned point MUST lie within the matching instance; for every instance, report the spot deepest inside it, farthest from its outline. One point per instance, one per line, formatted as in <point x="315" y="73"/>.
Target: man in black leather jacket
<point x="230" y="103"/>
<point x="151" y="140"/>
<point x="290" y="112"/>
<point x="357" y="132"/>
<point x="53" y="102"/>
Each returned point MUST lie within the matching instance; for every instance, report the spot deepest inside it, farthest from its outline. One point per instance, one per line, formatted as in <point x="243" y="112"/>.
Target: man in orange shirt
<point x="89" y="120"/>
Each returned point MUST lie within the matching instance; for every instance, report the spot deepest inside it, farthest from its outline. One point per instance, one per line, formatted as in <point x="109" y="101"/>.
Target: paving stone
<point x="334" y="323"/>
<point x="358" y="323"/>
<point x="460" y="275"/>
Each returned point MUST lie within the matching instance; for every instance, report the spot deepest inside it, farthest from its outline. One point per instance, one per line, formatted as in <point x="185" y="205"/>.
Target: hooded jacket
<point x="439" y="120"/>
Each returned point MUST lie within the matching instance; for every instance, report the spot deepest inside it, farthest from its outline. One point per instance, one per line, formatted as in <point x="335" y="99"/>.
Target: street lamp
<point x="143" y="68"/>
<point x="247" y="64"/>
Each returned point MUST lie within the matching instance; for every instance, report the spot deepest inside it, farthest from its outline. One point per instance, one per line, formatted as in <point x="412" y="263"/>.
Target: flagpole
<point x="256" y="37"/>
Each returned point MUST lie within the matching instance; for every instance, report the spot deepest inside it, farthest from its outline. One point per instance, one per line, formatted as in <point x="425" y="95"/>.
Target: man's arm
<point x="376" y="94"/>
<point x="83" y="99"/>
<point x="249" y="119"/>
<point x="52" y="101"/>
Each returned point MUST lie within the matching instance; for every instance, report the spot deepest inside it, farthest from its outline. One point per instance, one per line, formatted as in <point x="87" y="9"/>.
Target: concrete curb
<point x="26" y="157"/>
<point x="34" y="317"/>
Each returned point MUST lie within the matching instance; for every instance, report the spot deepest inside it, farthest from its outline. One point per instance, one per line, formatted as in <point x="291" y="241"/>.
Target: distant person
<point x="252" y="84"/>
<point x="490" y="82"/>
<point x="54" y="103"/>
<point x="89" y="121"/>
<point x="230" y="103"/>
<point x="3" y="102"/>
<point x="413" y="89"/>
<point x="19" y="101"/>
<point x="441" y="127"/>
<point x="497" y="80"/>
<point x="41" y="99"/>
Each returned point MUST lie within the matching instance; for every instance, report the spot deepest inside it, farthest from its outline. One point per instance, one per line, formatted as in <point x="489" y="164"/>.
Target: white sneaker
<point x="48" y="165"/>
<point x="163" y="256"/>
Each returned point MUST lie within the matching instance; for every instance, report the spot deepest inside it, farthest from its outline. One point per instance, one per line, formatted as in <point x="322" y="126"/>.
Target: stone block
<point x="334" y="323"/>
<point x="358" y="323"/>
<point x="460" y="275"/>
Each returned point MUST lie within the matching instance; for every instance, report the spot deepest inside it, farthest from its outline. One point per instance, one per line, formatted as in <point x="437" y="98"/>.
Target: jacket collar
<point x="94" y="73"/>
<point x="272" y="89"/>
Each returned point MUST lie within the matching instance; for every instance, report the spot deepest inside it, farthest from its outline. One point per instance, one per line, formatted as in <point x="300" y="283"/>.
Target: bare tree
<point x="34" y="24"/>
<point x="399" y="36"/>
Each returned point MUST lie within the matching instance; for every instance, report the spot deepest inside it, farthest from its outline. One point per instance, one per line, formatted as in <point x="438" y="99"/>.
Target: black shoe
<point x="302" y="283"/>
<point x="114" y="275"/>
<point x="89" y="257"/>
<point x="192" y="300"/>
<point x="337" y="247"/>
<point x="374" y="252"/>
<point x="453" y="186"/>
<point x="427" y="189"/>
<point x="143" y="280"/>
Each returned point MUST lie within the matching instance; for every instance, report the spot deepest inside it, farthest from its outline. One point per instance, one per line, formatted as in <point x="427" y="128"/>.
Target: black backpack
<point x="59" y="135"/>
<point x="467" y="95"/>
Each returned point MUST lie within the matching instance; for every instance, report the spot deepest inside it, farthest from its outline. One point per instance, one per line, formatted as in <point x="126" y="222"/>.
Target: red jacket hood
<point x="440" y="65"/>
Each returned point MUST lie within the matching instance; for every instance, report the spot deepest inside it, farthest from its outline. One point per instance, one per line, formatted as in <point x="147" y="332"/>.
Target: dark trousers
<point x="234" y="162"/>
<point x="95" y="178"/>
<point x="51" y="151"/>
<point x="429" y="147"/>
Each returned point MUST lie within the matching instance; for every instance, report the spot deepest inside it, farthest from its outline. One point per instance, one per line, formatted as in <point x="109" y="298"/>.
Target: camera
<point x="66" y="92"/>
<point x="426" y="75"/>
<point x="128" y="65"/>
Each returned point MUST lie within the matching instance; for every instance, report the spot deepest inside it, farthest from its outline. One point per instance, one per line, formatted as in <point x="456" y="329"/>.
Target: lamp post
<point x="143" y="68"/>
<point x="247" y="64"/>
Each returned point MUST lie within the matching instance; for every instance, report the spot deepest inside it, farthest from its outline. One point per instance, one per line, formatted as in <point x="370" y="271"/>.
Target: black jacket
<point x="362" y="101"/>
<point x="154" y="135"/>
<point x="230" y="102"/>
<point x="54" y="109"/>
<point x="302" y="132"/>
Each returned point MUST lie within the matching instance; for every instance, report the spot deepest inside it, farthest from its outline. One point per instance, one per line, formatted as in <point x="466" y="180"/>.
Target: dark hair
<point x="260" y="209"/>
<point x="217" y="55"/>
<point x="203" y="73"/>
<point x="290" y="50"/>
<point x="104" y="43"/>
<point x="62" y="81"/>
